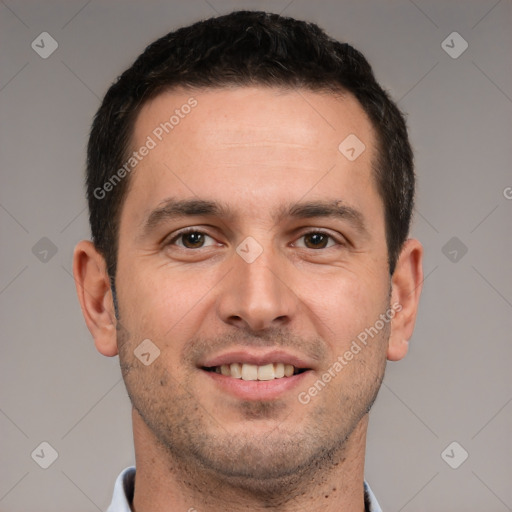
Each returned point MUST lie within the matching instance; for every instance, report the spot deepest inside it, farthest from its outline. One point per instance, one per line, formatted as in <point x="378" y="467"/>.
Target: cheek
<point x="347" y="306"/>
<point x="160" y="303"/>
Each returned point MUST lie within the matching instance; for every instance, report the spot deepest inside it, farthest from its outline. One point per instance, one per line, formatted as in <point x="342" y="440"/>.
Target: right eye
<point x="190" y="238"/>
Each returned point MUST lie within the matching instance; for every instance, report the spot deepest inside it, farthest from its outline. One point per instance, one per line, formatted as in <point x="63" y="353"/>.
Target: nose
<point x="257" y="295"/>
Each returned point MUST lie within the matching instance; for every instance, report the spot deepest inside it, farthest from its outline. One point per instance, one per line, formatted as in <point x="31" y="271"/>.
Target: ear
<point x="406" y="285"/>
<point x="95" y="296"/>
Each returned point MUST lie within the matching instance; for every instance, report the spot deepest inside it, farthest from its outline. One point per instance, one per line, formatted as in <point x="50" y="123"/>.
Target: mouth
<point x="251" y="372"/>
<point x="253" y="375"/>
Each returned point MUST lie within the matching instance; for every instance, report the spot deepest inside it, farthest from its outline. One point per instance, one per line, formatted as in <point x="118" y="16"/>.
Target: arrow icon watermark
<point x="146" y="352"/>
<point x="44" y="455"/>
<point x="351" y="147"/>
<point x="249" y="249"/>
<point x="454" y="45"/>
<point x="454" y="249"/>
<point x="454" y="455"/>
<point x="44" y="250"/>
<point x="44" y="45"/>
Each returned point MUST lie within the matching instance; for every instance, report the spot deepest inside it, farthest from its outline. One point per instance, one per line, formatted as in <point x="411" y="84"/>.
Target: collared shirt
<point x="124" y="487"/>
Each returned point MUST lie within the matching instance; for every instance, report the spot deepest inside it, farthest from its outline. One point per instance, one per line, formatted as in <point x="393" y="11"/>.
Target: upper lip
<point x="258" y="358"/>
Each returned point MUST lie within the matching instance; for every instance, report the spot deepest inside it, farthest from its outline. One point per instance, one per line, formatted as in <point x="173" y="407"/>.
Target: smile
<point x="246" y="371"/>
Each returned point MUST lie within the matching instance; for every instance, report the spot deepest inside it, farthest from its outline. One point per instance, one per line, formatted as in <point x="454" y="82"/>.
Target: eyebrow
<point x="173" y="208"/>
<point x="335" y="209"/>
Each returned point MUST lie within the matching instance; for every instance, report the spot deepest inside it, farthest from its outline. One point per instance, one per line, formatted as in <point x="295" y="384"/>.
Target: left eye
<point x="317" y="239"/>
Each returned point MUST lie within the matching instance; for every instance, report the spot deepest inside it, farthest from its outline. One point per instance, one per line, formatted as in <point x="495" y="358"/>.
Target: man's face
<point x="298" y="292"/>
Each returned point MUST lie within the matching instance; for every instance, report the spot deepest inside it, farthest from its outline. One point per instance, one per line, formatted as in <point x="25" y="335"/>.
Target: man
<point x="250" y="189"/>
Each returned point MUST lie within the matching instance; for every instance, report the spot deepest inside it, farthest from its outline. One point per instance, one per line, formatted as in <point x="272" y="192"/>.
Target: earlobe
<point x="95" y="296"/>
<point x="406" y="285"/>
<point x="397" y="349"/>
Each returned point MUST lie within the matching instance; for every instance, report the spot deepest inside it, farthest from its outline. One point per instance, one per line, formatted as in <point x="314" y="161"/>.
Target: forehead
<point x="250" y="143"/>
<point x="245" y="115"/>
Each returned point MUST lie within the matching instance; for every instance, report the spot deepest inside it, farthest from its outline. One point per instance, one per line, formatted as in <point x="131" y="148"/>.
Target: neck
<point x="164" y="484"/>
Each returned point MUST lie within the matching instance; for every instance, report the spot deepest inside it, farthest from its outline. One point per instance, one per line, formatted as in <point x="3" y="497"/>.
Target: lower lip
<point x="257" y="389"/>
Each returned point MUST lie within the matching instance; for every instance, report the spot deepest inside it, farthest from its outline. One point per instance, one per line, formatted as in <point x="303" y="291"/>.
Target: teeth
<point x="236" y="370"/>
<point x="288" y="370"/>
<point x="266" y="372"/>
<point x="247" y="371"/>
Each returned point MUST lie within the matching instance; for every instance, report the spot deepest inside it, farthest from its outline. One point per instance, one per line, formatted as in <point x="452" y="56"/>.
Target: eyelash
<point x="194" y="230"/>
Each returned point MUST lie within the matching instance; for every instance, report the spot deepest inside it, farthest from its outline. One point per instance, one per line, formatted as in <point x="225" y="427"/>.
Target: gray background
<point x="455" y="383"/>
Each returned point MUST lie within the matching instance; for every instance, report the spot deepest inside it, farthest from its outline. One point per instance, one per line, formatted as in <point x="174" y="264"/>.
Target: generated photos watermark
<point x="157" y="135"/>
<point x="356" y="347"/>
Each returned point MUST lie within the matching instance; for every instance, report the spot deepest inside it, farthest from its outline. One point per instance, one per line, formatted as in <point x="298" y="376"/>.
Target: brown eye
<point x="192" y="239"/>
<point x="317" y="240"/>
